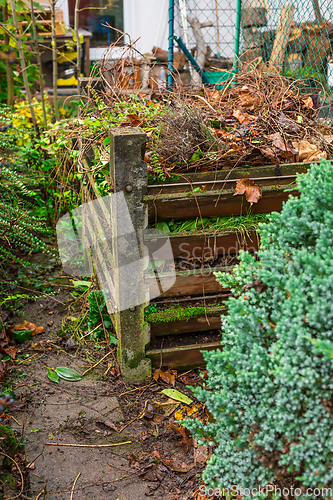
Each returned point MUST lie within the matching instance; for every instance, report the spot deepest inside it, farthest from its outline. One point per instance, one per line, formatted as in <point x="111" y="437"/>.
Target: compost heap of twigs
<point x="258" y="119"/>
<point x="263" y="119"/>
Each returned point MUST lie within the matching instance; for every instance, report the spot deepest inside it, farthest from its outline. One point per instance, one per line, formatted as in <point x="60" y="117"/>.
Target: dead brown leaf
<point x="201" y="453"/>
<point x="279" y="142"/>
<point x="226" y="135"/>
<point x="169" y="376"/>
<point x="133" y="121"/>
<point x="212" y="95"/>
<point x="174" y="464"/>
<point x="191" y="379"/>
<point x="269" y="154"/>
<point x="182" y="431"/>
<point x="4" y="368"/>
<point x="247" y="99"/>
<point x="168" y="406"/>
<point x="115" y="371"/>
<point x="11" y="351"/>
<point x="107" y="423"/>
<point x="36" y="330"/>
<point x="243" y="118"/>
<point x="308" y="102"/>
<point x="308" y="152"/>
<point x="317" y="156"/>
<point x="248" y="187"/>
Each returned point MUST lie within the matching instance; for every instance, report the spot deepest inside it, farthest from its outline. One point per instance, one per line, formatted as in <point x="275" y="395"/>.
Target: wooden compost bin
<point x="178" y="200"/>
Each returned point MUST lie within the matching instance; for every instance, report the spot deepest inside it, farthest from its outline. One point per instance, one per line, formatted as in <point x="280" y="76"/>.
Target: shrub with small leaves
<point x="20" y="230"/>
<point x="270" y="390"/>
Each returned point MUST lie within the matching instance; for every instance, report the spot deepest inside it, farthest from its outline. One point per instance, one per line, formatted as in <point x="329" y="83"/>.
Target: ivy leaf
<point x="68" y="374"/>
<point x="53" y="376"/>
<point x="177" y="396"/>
<point x="113" y="340"/>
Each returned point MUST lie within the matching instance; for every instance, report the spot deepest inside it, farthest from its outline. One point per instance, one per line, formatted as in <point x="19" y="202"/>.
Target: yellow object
<point x="186" y="412"/>
<point x="66" y="57"/>
<point x="67" y="82"/>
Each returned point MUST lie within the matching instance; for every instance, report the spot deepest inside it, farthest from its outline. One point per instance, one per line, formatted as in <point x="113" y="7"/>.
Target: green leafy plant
<point x="269" y="391"/>
<point x="99" y="319"/>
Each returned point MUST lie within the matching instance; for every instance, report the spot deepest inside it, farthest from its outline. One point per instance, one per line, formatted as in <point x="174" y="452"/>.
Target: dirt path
<point x="92" y="411"/>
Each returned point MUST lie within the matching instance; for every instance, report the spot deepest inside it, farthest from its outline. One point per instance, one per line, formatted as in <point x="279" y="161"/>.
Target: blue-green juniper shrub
<point x="270" y="390"/>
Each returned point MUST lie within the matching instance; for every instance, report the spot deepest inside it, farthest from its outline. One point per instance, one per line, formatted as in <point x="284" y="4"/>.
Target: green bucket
<point x="219" y="78"/>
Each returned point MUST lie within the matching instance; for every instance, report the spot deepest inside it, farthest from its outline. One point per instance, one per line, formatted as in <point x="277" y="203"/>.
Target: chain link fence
<point x="296" y="37"/>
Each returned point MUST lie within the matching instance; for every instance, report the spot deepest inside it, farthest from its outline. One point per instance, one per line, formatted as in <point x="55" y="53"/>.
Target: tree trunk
<point x="78" y="43"/>
<point x="54" y="60"/>
<point x="9" y="71"/>
<point x="23" y="66"/>
<point x="39" y="62"/>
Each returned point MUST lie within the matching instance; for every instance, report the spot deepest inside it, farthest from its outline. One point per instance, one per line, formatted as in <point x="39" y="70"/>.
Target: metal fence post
<point x="171" y="38"/>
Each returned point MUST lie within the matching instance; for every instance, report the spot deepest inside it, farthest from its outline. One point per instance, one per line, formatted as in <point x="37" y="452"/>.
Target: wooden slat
<point x="187" y="282"/>
<point x="226" y="179"/>
<point x="208" y="243"/>
<point x="212" y="204"/>
<point x="185" y="357"/>
<point x="197" y="324"/>
<point x="277" y="174"/>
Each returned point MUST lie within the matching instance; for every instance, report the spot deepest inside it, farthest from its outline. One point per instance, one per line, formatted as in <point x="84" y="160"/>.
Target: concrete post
<point x="129" y="175"/>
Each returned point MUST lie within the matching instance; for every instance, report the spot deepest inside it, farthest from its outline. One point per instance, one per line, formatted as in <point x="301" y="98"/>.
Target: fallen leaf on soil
<point x="174" y="464"/>
<point x="186" y="412"/>
<point x="248" y="187"/>
<point x="178" y="396"/>
<point x="31" y="466"/>
<point x="50" y="323"/>
<point x="108" y="423"/>
<point x="36" y="330"/>
<point x="115" y="371"/>
<point x="201" y="453"/>
<point x="50" y="312"/>
<point x="168" y="406"/>
<point x="11" y="351"/>
<point x="53" y="376"/>
<point x="182" y="431"/>
<point x="243" y="118"/>
<point x="169" y="376"/>
<point x="4" y="367"/>
<point x="190" y="379"/>
<point x="6" y="335"/>
<point x="68" y="374"/>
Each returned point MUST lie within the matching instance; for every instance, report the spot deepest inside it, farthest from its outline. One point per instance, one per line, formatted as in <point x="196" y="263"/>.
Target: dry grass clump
<point x="182" y="134"/>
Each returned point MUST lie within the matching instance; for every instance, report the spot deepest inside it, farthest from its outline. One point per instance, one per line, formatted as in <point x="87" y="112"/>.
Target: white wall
<point x="147" y="20"/>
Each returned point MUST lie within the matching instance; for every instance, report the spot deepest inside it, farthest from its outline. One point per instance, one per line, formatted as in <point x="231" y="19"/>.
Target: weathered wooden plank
<point x="210" y="321"/>
<point x="185" y="357"/>
<point x="193" y="282"/>
<point x="212" y="204"/>
<point x="208" y="244"/>
<point x="266" y="174"/>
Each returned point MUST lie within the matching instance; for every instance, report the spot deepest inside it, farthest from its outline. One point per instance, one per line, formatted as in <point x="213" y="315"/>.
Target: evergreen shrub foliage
<point x="20" y="230"/>
<point x="270" y="391"/>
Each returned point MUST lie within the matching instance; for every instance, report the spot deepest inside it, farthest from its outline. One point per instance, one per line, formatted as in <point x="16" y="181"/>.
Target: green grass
<point x="242" y="223"/>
